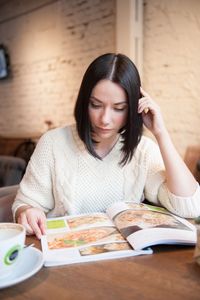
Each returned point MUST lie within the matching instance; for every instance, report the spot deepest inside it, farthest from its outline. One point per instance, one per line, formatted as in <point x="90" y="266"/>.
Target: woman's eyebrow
<point x="122" y="102"/>
<point x="117" y="103"/>
<point x="94" y="98"/>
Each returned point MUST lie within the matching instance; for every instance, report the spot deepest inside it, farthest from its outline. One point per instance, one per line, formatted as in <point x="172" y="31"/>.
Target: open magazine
<point x="126" y="229"/>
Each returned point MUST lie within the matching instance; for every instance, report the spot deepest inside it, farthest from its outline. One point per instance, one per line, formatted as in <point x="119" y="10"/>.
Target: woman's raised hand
<point x="151" y="114"/>
<point x="33" y="219"/>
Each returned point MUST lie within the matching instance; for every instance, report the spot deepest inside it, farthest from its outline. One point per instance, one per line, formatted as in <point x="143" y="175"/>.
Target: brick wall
<point x="52" y="42"/>
<point x="172" y="65"/>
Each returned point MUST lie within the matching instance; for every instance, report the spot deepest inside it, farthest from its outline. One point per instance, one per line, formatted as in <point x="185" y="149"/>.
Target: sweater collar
<point x="115" y="151"/>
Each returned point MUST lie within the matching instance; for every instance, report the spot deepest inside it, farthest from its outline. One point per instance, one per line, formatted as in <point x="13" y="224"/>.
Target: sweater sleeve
<point x="156" y="190"/>
<point x="36" y="186"/>
<point x="186" y="207"/>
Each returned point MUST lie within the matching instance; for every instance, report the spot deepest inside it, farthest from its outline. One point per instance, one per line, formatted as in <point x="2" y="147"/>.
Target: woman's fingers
<point x="151" y="114"/>
<point x="42" y="225"/>
<point x="34" y="220"/>
<point x="22" y="219"/>
<point x="34" y="225"/>
<point x="37" y="223"/>
<point x="144" y="105"/>
<point x="143" y="92"/>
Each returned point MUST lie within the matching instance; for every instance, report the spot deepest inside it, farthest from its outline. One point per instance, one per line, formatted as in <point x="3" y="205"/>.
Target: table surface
<point x="169" y="273"/>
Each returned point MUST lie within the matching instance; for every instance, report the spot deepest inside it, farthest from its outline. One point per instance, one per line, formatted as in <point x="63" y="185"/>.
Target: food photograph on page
<point x="86" y="220"/>
<point x="130" y="221"/>
<point x="103" y="248"/>
<point x="83" y="237"/>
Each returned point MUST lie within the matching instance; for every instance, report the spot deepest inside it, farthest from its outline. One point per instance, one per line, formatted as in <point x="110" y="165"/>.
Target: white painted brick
<point x="50" y="48"/>
<point x="172" y="65"/>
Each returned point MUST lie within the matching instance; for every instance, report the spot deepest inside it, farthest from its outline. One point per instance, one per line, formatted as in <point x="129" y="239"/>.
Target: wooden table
<point x="170" y="273"/>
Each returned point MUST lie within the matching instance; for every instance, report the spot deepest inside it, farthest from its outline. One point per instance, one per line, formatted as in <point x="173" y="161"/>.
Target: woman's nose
<point x="106" y="117"/>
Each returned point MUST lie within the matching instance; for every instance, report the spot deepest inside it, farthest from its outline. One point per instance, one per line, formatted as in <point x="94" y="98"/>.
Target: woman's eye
<point x="94" y="105"/>
<point x="120" y="109"/>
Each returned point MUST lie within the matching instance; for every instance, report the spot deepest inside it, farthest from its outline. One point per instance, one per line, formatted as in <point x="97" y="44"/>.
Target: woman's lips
<point x="104" y="129"/>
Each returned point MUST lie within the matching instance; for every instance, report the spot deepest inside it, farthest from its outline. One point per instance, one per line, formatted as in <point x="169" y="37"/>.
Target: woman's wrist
<point x="162" y="135"/>
<point x="20" y="210"/>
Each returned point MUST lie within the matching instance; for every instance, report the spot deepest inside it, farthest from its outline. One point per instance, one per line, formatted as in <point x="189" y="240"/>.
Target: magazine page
<point x="73" y="239"/>
<point x="145" y="225"/>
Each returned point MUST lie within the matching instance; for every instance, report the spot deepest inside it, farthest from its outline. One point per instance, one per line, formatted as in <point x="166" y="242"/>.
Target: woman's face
<point x="108" y="109"/>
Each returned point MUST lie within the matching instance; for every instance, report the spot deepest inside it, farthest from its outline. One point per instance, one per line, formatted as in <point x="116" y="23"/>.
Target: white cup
<point x="12" y="239"/>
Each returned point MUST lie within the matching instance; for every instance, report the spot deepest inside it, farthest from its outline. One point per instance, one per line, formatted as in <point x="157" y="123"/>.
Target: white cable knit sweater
<point x="63" y="178"/>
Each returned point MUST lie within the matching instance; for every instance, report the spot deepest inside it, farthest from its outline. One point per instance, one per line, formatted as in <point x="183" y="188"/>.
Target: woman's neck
<point x="104" y="147"/>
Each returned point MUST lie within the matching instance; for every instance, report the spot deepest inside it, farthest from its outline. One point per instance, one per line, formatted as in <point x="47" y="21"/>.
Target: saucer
<point x="30" y="262"/>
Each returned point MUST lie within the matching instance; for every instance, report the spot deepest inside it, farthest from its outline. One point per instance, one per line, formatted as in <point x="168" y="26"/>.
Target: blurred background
<point x="51" y="43"/>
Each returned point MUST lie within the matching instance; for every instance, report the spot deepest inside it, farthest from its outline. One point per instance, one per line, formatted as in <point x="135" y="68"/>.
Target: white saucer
<point x="29" y="263"/>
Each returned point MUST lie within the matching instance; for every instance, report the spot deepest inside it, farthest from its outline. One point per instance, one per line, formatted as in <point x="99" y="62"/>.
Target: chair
<point x="192" y="160"/>
<point x="11" y="170"/>
<point x="198" y="171"/>
<point x="7" y="196"/>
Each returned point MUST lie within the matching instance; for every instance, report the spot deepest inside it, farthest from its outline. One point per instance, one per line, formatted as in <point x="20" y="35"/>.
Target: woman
<point x="104" y="158"/>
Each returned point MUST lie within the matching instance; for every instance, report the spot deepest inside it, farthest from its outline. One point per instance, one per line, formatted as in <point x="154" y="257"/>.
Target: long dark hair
<point x="119" y="69"/>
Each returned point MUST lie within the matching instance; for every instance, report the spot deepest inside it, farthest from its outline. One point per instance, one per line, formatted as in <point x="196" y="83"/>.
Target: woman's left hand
<point x="151" y="114"/>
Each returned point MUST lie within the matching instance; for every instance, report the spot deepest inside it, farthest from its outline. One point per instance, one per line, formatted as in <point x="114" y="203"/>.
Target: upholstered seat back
<point x="11" y="170"/>
<point x="7" y="196"/>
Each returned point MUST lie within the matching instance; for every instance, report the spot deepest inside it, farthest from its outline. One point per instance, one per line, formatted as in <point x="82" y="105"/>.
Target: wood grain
<point x="170" y="273"/>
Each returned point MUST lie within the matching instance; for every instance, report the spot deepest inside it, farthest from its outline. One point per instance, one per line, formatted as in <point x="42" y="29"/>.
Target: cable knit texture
<point x="63" y="178"/>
